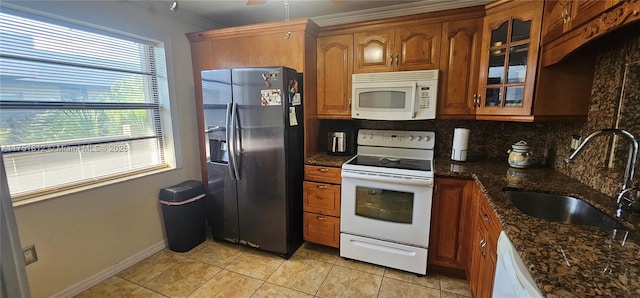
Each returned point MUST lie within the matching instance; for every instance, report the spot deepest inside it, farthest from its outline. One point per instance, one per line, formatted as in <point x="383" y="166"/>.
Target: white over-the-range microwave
<point x="400" y="95"/>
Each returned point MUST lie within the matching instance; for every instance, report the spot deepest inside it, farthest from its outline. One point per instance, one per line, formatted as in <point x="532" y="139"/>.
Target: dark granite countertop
<point x="326" y="160"/>
<point x="565" y="260"/>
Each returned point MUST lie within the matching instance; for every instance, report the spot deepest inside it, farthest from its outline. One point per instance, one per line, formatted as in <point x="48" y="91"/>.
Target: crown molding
<point x="393" y="11"/>
<point x="296" y="25"/>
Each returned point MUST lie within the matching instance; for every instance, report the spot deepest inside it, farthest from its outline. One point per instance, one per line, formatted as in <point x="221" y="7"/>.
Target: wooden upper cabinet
<point x="459" y="66"/>
<point x="561" y="16"/>
<point x="557" y="17"/>
<point x="374" y="51"/>
<point x="411" y="47"/>
<point x="334" y="64"/>
<point x="509" y="59"/>
<point x="418" y="47"/>
<point x="585" y="10"/>
<point x="588" y="20"/>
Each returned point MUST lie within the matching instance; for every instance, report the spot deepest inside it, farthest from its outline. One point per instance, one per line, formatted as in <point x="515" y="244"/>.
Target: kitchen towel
<point x="460" y="144"/>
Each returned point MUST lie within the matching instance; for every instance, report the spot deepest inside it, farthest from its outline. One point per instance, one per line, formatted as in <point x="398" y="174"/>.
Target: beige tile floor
<point x="215" y="269"/>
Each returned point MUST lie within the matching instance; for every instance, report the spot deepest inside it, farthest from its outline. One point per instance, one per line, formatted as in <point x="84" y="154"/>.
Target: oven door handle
<point x="428" y="182"/>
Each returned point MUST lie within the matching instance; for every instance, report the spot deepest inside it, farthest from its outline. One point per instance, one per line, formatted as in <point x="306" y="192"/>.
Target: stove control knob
<point x="411" y="138"/>
<point x="418" y="138"/>
<point x="427" y="139"/>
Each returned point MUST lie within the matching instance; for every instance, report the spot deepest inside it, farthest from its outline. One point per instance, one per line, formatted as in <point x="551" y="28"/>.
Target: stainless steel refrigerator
<point x="254" y="119"/>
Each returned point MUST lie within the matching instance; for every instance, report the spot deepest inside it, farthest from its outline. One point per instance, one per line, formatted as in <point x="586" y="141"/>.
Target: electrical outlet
<point x="575" y="142"/>
<point x="30" y="255"/>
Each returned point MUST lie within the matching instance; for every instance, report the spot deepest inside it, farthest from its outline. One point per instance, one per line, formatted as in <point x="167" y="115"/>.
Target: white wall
<point x="80" y="235"/>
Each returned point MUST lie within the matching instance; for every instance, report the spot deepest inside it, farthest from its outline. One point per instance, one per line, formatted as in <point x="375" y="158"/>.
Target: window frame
<point x="162" y="112"/>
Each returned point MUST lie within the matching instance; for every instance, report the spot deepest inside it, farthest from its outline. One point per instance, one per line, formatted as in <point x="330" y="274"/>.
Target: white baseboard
<point x="96" y="279"/>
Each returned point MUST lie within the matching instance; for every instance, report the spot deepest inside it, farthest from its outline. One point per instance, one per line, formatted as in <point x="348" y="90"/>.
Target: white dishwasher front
<point x="512" y="278"/>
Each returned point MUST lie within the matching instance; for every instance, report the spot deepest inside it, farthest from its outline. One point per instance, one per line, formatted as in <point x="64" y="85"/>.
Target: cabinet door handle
<point x="397" y="60"/>
<point x="565" y="15"/>
<point x="323" y="170"/>
<point x="475" y="100"/>
<point x="321" y="218"/>
<point x="479" y="100"/>
<point x="322" y="186"/>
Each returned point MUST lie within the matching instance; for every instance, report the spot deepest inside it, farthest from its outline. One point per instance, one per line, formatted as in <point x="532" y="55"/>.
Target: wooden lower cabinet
<point x="321" y="196"/>
<point x="484" y="247"/>
<point x="322" y="229"/>
<point x="450" y="225"/>
<point x="323" y="174"/>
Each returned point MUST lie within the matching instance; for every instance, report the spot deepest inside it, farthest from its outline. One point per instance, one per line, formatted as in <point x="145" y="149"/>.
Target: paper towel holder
<point x="460" y="146"/>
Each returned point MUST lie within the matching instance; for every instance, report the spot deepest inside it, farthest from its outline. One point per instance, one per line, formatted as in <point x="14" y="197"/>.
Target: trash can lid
<point x="182" y="192"/>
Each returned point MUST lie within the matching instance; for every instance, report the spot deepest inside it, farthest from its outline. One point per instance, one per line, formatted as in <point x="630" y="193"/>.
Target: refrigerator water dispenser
<point x="218" y="151"/>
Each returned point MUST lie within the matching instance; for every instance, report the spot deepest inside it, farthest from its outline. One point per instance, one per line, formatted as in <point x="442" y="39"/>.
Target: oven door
<point x="386" y="208"/>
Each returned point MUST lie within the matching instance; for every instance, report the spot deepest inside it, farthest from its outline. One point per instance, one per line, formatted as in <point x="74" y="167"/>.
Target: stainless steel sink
<point x="560" y="208"/>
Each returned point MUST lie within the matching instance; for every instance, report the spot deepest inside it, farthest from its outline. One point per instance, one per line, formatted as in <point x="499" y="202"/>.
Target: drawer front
<point x="487" y="216"/>
<point x="322" y="229"/>
<point x="322" y="198"/>
<point x="322" y="174"/>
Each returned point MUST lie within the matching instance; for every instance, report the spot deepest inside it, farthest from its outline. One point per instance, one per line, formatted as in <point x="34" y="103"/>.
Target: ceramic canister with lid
<point x="520" y="155"/>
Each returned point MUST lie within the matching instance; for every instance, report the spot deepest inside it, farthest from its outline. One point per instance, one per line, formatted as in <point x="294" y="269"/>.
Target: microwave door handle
<point x="413" y="100"/>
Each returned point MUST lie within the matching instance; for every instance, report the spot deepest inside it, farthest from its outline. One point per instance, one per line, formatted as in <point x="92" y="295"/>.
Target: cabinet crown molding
<point x="296" y="25"/>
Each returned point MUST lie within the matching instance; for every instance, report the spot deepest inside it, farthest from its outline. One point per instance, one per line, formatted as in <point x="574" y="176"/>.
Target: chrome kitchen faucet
<point x="631" y="162"/>
<point x="624" y="201"/>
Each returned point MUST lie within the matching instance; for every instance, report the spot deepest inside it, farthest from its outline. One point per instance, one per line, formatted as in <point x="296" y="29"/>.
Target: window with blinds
<point x="77" y="105"/>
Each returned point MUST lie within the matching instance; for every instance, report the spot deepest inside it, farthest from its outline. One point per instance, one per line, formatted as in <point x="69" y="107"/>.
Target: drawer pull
<point x="322" y="186"/>
<point x="323" y="170"/>
<point x="321" y="218"/>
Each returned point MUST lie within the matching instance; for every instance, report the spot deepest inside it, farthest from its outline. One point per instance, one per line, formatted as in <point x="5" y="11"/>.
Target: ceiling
<point x="230" y="13"/>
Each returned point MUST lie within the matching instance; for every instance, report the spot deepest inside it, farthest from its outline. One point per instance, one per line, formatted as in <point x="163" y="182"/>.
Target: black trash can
<point x="183" y="207"/>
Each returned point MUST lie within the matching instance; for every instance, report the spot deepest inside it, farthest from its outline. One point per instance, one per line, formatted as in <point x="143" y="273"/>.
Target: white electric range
<point x="387" y="191"/>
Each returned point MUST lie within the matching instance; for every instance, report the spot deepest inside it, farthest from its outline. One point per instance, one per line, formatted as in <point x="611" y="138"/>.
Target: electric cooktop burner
<point x="390" y="162"/>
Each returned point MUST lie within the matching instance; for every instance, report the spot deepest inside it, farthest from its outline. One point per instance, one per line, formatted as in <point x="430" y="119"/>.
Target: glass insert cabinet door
<point x="384" y="205"/>
<point x="508" y="67"/>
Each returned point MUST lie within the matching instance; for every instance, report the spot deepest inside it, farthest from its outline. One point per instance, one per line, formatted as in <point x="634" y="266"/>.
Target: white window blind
<point x="76" y="105"/>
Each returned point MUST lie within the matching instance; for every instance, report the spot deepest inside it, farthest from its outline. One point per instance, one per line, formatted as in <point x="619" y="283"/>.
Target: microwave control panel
<point x="424" y="97"/>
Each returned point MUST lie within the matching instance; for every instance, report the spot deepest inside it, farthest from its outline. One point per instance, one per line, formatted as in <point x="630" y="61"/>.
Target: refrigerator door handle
<point x="233" y="142"/>
<point x="229" y="134"/>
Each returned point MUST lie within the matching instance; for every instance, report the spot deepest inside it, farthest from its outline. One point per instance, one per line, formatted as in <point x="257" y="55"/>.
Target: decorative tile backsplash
<point x="590" y="168"/>
<point x="490" y="140"/>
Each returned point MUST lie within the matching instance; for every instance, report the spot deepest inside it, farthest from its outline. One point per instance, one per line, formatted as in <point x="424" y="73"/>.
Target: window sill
<point x="26" y="199"/>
